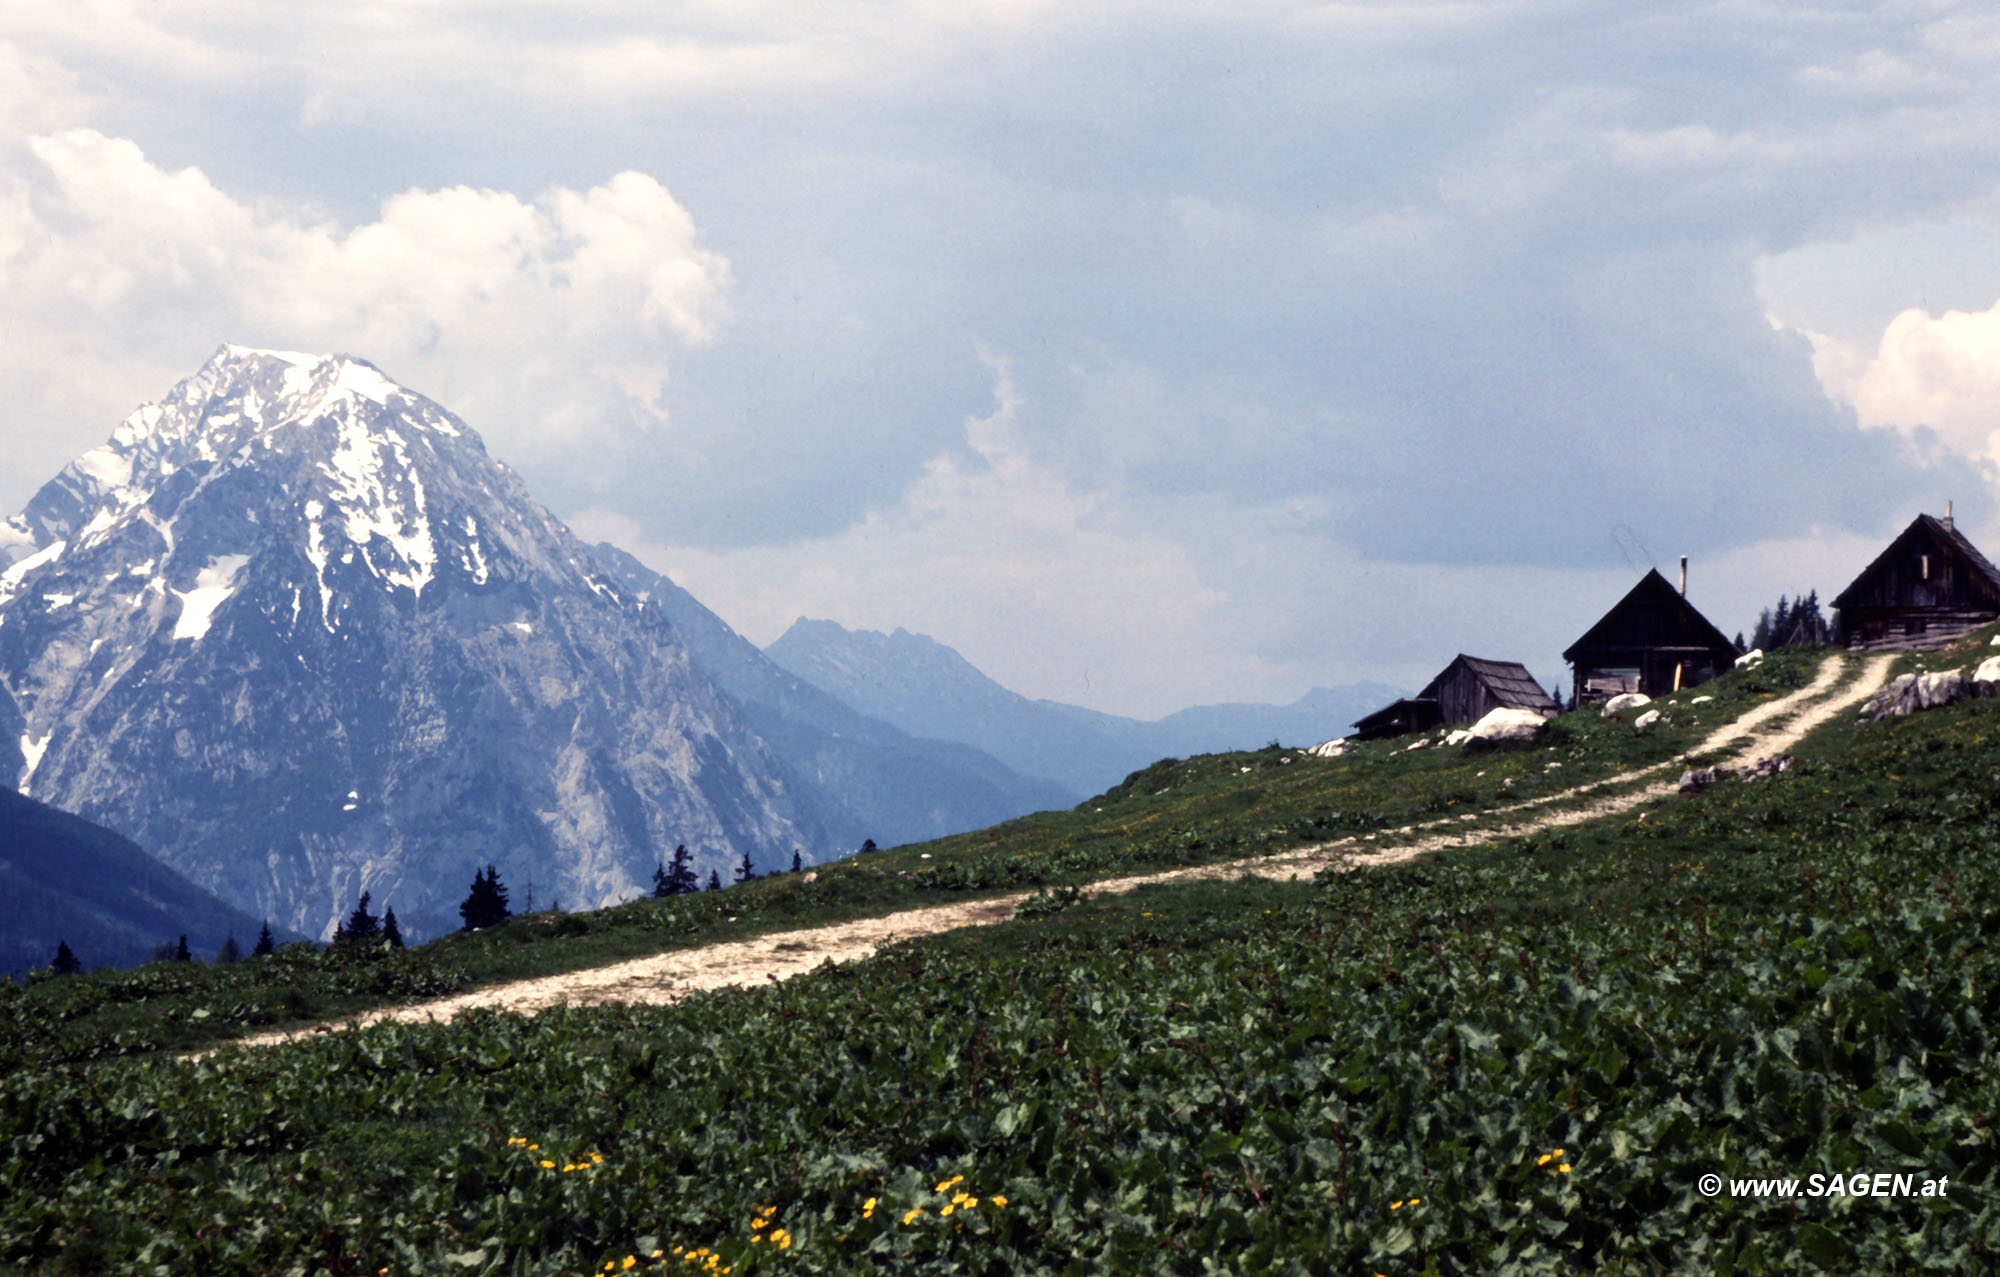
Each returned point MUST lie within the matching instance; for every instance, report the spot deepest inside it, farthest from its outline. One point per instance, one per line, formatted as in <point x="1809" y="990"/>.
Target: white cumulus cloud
<point x="1935" y="378"/>
<point x="546" y="322"/>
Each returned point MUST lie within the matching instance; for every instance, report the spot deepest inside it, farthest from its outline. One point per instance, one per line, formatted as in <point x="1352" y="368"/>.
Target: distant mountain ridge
<point x="928" y="689"/>
<point x="884" y="783"/>
<point x="293" y="630"/>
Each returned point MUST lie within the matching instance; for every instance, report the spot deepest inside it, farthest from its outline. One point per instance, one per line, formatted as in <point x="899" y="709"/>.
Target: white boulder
<point x="1986" y="675"/>
<point x="1507" y="723"/>
<point x="1755" y="656"/>
<point x="1911" y="692"/>
<point x="1624" y="701"/>
<point x="1330" y="748"/>
<point x="1421" y="742"/>
<point x="1647" y="719"/>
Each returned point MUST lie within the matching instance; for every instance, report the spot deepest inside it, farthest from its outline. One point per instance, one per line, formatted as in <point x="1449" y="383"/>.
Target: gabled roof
<point x="1653" y="590"/>
<point x="1947" y="533"/>
<point x="1508" y="681"/>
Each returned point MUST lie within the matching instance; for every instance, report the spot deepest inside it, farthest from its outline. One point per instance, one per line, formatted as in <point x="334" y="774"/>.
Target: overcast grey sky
<point x="1147" y="354"/>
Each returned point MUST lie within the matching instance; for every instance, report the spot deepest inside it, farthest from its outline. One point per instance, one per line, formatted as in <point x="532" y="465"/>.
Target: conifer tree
<point x="714" y="881"/>
<point x="266" y="946"/>
<point x="181" y="953"/>
<point x="66" y="962"/>
<point x="676" y="878"/>
<point x="486" y="904"/>
<point x="229" y="952"/>
<point x="744" y="872"/>
<point x="798" y="862"/>
<point x="390" y="931"/>
<point x="360" y="926"/>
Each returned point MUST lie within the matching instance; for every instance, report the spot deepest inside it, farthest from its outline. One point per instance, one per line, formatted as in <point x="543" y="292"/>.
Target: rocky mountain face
<point x="928" y="689"/>
<point x="293" y="630"/>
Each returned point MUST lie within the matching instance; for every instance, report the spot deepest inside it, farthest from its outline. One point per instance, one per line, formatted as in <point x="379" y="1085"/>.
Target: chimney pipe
<point x="1684" y="576"/>
<point x="1947" y="513"/>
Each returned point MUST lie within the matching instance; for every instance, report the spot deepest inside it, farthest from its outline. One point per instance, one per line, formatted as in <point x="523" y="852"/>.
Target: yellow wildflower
<point x="547" y="1165"/>
<point x="910" y="1215"/>
<point x="998" y="1200"/>
<point x="1564" y="1168"/>
<point x="868" y="1208"/>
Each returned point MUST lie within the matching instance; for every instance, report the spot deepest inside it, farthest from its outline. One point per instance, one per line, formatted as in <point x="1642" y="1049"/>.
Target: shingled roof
<point x="1508" y="681"/>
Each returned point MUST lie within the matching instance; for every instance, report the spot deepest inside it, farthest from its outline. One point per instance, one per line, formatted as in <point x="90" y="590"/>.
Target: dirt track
<point x="1763" y="732"/>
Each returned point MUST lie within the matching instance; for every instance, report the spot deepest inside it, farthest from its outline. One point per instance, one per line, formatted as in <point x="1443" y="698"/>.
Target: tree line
<point x="486" y="904"/>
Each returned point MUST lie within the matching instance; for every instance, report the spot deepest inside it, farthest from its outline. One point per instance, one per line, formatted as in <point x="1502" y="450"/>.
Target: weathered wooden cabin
<point x="1651" y="641"/>
<point x="1465" y="691"/>
<point x="1929" y="587"/>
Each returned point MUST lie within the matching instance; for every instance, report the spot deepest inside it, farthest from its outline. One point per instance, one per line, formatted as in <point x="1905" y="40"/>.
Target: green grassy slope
<point x="1383" y="1071"/>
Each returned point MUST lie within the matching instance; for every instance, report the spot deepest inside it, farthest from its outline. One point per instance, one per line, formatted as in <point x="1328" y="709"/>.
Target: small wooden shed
<point x="1651" y="641"/>
<point x="1465" y="691"/>
<point x="1929" y="587"/>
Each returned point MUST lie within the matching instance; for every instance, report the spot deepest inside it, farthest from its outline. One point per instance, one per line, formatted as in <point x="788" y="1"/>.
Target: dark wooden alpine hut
<point x="1929" y="587"/>
<point x="1651" y="641"/>
<point x="1404" y="714"/>
<point x="1464" y="692"/>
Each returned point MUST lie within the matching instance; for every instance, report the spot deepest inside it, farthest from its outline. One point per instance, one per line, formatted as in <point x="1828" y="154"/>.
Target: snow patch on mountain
<point x="32" y="749"/>
<point x="212" y="587"/>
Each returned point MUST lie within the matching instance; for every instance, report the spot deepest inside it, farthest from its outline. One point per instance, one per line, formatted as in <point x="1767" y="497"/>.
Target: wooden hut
<point x="1929" y="587"/>
<point x="1651" y="641"/>
<point x="1465" y="691"/>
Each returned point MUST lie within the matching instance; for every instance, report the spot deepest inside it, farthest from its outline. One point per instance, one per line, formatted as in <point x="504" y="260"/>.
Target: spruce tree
<point x="714" y="881"/>
<point x="181" y="953"/>
<point x="229" y="952"/>
<point x="677" y="878"/>
<point x="390" y="931"/>
<point x="744" y="872"/>
<point x="360" y="926"/>
<point x="486" y="904"/>
<point x="265" y="944"/>
<point x="66" y="962"/>
<point x="798" y="862"/>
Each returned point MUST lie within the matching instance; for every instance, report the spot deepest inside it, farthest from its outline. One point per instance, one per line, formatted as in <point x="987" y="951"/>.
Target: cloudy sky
<point x="1149" y="354"/>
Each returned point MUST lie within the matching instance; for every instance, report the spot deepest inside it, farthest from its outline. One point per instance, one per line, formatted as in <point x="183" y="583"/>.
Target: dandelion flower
<point x="999" y="1201"/>
<point x="1564" y="1168"/>
<point x="547" y="1165"/>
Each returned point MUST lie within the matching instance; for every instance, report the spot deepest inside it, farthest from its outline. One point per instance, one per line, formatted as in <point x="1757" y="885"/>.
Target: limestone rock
<point x="1755" y="656"/>
<point x="1647" y="719"/>
<point x="1507" y="723"/>
<point x="1624" y="701"/>
<point x="1911" y="692"/>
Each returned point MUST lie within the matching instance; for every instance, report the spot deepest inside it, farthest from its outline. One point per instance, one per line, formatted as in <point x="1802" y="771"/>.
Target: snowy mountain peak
<point x="292" y="627"/>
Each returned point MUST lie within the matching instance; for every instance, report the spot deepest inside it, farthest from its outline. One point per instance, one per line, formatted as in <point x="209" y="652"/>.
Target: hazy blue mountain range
<point x="927" y="689"/>
<point x="63" y="878"/>
<point x="881" y="782"/>
<point x="295" y="631"/>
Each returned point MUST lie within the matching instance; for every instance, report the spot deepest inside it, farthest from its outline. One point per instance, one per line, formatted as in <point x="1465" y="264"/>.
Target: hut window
<point x="1927" y="567"/>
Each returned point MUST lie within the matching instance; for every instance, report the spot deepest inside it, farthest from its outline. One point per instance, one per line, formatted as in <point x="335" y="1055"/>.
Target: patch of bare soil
<point x="1763" y="732"/>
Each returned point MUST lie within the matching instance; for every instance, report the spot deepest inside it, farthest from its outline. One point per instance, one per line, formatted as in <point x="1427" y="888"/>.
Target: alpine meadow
<point x="1491" y="1011"/>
